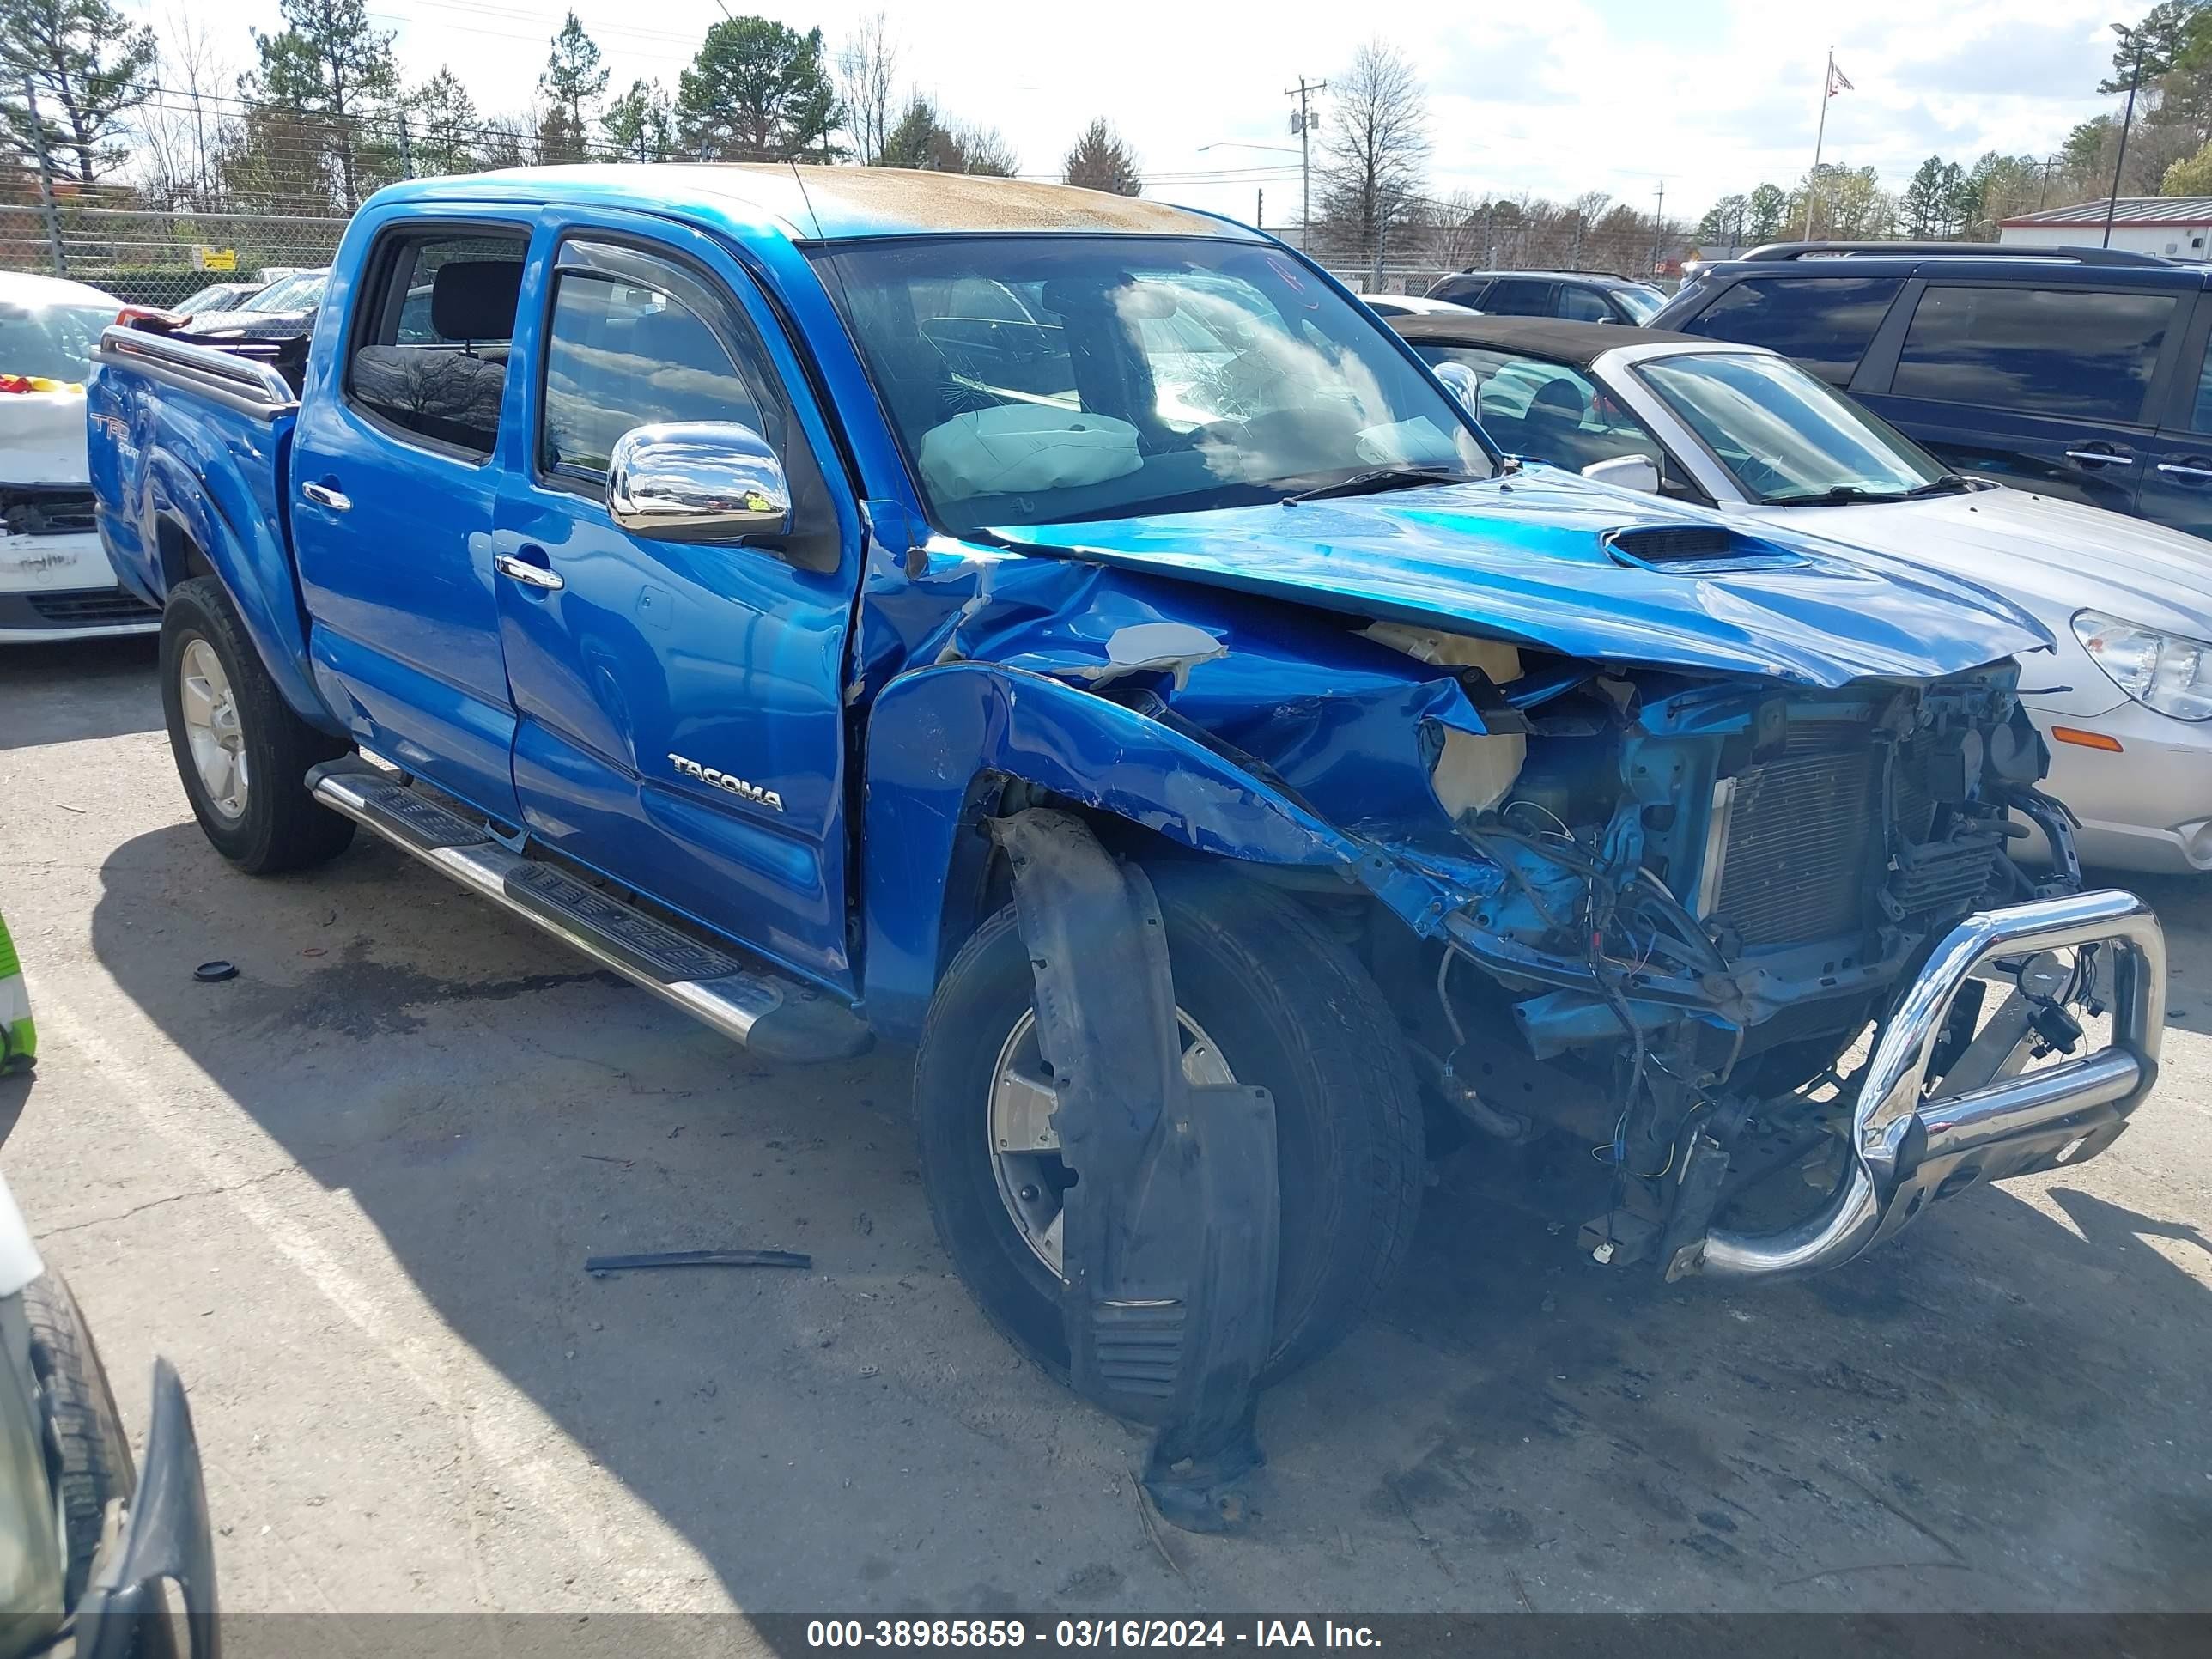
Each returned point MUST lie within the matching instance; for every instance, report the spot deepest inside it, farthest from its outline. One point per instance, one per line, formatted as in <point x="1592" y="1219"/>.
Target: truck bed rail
<point x="252" y="388"/>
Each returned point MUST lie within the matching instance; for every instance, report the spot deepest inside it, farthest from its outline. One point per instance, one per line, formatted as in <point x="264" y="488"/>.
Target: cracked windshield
<point x="1035" y="383"/>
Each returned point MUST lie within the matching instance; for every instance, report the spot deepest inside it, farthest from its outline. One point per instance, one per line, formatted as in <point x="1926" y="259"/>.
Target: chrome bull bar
<point x="1907" y="1150"/>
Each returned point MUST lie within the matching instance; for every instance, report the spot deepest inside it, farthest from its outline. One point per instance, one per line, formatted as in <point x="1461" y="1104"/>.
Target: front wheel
<point x="242" y="753"/>
<point x="1264" y="996"/>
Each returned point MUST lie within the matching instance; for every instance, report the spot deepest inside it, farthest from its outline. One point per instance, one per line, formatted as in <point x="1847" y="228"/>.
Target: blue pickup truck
<point x="1069" y="637"/>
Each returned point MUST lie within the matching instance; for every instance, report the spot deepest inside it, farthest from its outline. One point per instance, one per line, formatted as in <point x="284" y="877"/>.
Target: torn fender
<point x="936" y="735"/>
<point x="1172" y="1226"/>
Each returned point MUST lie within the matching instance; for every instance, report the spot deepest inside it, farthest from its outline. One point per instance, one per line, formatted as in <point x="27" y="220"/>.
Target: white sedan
<point x="55" y="581"/>
<point x="2126" y="701"/>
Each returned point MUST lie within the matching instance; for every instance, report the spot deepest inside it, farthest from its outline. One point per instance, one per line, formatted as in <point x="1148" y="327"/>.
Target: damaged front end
<point x="1722" y="928"/>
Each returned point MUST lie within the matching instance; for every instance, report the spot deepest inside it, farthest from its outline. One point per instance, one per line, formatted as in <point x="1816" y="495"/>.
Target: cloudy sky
<point x="1610" y="95"/>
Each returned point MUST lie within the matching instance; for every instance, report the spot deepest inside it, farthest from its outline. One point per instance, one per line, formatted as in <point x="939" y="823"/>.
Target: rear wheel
<point x="1265" y="996"/>
<point x="241" y="753"/>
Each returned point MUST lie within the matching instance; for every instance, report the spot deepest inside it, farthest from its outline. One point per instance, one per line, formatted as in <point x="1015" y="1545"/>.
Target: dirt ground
<point x="349" y="1194"/>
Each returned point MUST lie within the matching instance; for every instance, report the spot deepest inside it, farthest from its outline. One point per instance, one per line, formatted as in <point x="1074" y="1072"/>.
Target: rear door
<point x="393" y="489"/>
<point x="1826" y="323"/>
<point x="680" y="717"/>
<point x="2176" y="485"/>
<point x="2045" y="386"/>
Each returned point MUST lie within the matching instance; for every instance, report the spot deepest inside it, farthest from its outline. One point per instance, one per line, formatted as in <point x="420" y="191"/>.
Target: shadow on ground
<point x="2008" y="1409"/>
<point x="78" y="690"/>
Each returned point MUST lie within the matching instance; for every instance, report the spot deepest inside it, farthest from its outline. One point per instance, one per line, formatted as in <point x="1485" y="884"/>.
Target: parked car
<point x="1411" y="305"/>
<point x="1187" y="763"/>
<point x="274" y="329"/>
<point x="2127" y="700"/>
<point x="1582" y="296"/>
<point x="87" y="1541"/>
<point x="55" y="579"/>
<point x="218" y="296"/>
<point x="2076" y="373"/>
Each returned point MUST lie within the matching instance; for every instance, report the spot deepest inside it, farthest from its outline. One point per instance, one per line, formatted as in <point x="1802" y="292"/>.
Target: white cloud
<point x="1610" y="95"/>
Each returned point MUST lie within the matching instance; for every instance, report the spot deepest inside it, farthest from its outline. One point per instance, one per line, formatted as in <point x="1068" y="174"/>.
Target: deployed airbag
<point x="1018" y="449"/>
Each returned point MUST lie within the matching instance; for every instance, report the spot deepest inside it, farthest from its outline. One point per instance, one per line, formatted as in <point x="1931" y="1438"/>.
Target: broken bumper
<point x="1907" y="1150"/>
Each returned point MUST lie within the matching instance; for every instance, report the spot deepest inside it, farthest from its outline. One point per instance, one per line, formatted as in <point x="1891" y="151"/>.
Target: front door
<point x="394" y="485"/>
<point x="680" y="722"/>
<point x="2045" y="388"/>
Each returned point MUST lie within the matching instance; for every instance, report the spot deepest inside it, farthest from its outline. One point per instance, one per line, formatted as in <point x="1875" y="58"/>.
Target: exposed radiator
<point x="1798" y="850"/>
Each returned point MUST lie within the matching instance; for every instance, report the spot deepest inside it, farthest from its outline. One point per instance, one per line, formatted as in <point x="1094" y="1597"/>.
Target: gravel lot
<point x="349" y="1194"/>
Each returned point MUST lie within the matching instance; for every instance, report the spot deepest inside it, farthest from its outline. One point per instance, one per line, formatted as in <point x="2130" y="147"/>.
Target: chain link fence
<point x="154" y="257"/>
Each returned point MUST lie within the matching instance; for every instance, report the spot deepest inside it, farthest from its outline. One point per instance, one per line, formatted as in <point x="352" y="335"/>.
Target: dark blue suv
<point x="2079" y="372"/>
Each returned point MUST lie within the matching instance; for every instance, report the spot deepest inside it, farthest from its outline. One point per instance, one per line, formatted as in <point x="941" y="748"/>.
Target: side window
<point x="2200" y="419"/>
<point x="1547" y="411"/>
<point x="638" y="343"/>
<point x="428" y="348"/>
<point x="1824" y="322"/>
<point x="1581" y="305"/>
<point x="1513" y="297"/>
<point x="2067" y="351"/>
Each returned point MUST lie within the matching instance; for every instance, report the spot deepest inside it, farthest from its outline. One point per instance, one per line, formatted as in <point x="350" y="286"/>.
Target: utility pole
<point x="2135" y="80"/>
<point x="1658" y="228"/>
<point x="406" y="151"/>
<point x="1301" y="122"/>
<point x="46" y="181"/>
<point x="1260" y="208"/>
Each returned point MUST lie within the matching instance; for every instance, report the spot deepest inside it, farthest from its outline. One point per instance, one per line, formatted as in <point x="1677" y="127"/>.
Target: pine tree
<point x="331" y="74"/>
<point x="88" y="65"/>
<point x="640" y="126"/>
<point x="445" y="122"/>
<point x="757" y="91"/>
<point x="1100" y="161"/>
<point x="573" y="78"/>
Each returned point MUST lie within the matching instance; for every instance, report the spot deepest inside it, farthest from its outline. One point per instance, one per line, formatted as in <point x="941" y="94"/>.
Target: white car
<point x="2124" y="701"/>
<point x="1412" y="305"/>
<point x="55" y="579"/>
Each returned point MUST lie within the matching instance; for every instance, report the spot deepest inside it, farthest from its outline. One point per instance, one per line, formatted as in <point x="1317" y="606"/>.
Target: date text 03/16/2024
<point x="1087" y="1633"/>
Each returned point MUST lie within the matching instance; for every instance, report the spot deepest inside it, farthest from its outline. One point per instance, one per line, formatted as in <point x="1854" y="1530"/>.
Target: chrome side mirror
<point x="1463" y="384"/>
<point x="699" y="481"/>
<point x="1626" y="473"/>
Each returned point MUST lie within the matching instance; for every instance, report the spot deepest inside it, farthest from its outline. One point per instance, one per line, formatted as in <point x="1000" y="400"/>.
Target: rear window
<point x="1824" y="322"/>
<point x="2072" y="351"/>
<point x="431" y="335"/>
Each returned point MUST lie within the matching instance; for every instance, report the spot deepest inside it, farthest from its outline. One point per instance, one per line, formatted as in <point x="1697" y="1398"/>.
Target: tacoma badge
<point x="739" y="786"/>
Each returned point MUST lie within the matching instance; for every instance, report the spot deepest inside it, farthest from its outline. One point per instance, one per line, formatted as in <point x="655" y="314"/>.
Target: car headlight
<point x="2169" y="672"/>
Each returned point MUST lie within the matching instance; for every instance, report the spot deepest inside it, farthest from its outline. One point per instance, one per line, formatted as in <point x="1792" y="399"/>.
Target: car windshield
<point x="1784" y="437"/>
<point x="1643" y="302"/>
<point x="1045" y="379"/>
<point x="291" y="292"/>
<point x="51" y="342"/>
<point x="216" y="296"/>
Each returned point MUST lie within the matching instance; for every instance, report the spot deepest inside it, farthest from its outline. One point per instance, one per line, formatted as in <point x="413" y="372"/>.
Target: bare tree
<point x="1100" y="161"/>
<point x="1376" y="143"/>
<point x="867" y="65"/>
<point x="181" y="128"/>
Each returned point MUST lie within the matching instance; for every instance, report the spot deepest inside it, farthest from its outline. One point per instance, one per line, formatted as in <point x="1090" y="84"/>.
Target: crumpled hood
<point x="2055" y="557"/>
<point x="42" y="438"/>
<point x="1523" y="558"/>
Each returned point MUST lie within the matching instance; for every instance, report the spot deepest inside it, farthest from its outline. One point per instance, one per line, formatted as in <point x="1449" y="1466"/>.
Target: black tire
<point x="1293" y="1011"/>
<point x="85" y="1432"/>
<point x="280" y="827"/>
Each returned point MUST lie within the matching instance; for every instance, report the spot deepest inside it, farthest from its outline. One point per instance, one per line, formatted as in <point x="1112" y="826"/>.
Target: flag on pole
<point x="1837" y="80"/>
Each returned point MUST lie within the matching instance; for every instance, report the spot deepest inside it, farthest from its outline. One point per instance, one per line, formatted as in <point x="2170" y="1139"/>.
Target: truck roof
<point x="831" y="203"/>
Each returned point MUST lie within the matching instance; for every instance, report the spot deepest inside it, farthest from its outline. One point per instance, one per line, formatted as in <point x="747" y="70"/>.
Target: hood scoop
<point x="1695" y="549"/>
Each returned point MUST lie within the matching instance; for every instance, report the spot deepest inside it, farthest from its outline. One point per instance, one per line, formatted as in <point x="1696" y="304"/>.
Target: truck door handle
<point x="529" y="574"/>
<point x="2100" y="458"/>
<point x="324" y="495"/>
<point x="2194" y="474"/>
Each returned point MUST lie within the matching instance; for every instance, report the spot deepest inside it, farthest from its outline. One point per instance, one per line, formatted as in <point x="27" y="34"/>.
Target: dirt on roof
<point x="956" y="201"/>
